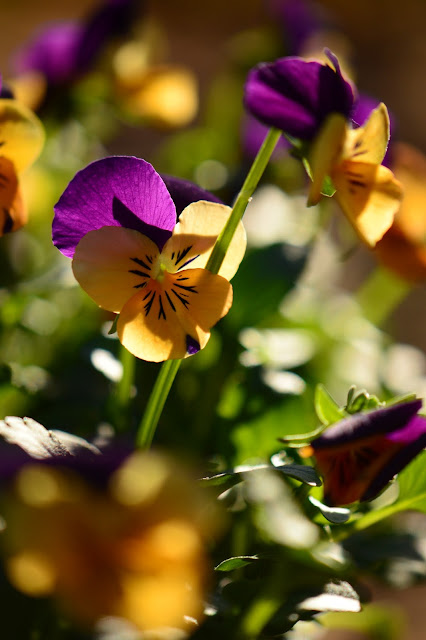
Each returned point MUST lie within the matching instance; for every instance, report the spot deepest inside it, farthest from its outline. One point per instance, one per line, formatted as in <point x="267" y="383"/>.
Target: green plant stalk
<point x="244" y="196"/>
<point x="156" y="402"/>
<point x="119" y="404"/>
<point x="380" y="294"/>
<point x="169" y="369"/>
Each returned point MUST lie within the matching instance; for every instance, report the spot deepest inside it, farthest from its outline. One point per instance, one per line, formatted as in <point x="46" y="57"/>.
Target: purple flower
<point x="360" y="455"/>
<point x="296" y="95"/>
<point x="117" y="220"/>
<point x="65" y="50"/>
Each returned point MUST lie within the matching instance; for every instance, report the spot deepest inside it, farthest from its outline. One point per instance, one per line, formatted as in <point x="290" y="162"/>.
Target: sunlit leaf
<point x="328" y="411"/>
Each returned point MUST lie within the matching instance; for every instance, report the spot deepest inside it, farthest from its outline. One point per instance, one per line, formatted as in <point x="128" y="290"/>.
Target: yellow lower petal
<point x="369" y="196"/>
<point x="156" y="324"/>
<point x="21" y="134"/>
<point x="112" y="263"/>
<point x="196" y="233"/>
<point x="13" y="214"/>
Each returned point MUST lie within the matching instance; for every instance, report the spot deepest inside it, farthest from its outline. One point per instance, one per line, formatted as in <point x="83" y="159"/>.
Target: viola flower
<point x="117" y="220"/>
<point x="21" y="141"/>
<point x="403" y="248"/>
<point x="358" y="456"/>
<point x="314" y="103"/>
<point x="129" y="544"/>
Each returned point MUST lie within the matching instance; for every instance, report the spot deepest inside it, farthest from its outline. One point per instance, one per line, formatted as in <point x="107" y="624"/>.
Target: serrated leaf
<point x="327" y="410"/>
<point x="336" y="515"/>
<point x="237" y="562"/>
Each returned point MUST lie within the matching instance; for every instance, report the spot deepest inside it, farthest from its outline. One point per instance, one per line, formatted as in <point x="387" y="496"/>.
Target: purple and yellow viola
<point x="117" y="220"/>
<point x="21" y="141"/>
<point x="313" y="103"/>
<point x="358" y="456"/>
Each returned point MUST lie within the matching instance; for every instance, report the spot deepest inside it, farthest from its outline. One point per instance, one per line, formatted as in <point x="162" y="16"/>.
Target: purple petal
<point x="398" y="462"/>
<point x="184" y="192"/>
<point x="116" y="191"/>
<point x="192" y="346"/>
<point x="413" y="430"/>
<point x="389" y="420"/>
<point x="53" y="52"/>
<point x="253" y="135"/>
<point x="296" y="96"/>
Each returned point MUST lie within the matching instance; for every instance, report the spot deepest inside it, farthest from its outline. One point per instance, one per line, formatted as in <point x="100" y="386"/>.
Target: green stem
<point x="156" y="402"/>
<point x="170" y="368"/>
<point x="243" y="198"/>
<point x="381" y="294"/>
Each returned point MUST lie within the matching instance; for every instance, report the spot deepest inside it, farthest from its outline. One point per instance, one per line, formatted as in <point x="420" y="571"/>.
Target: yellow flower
<point x="21" y="141"/>
<point x="367" y="192"/>
<point x="133" y="549"/>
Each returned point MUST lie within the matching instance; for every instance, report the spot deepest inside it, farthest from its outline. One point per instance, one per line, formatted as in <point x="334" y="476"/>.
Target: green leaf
<point x="327" y="410"/>
<point x="236" y="562"/>
<point x="336" y="515"/>
<point x="301" y="472"/>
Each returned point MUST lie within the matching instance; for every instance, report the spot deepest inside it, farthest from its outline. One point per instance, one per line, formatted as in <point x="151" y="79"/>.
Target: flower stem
<point x="156" y="402"/>
<point x="381" y="294"/>
<point x="243" y="198"/>
<point x="170" y="368"/>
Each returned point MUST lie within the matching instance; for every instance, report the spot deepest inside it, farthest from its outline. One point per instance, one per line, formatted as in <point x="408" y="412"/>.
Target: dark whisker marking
<point x="181" y="278"/>
<point x="191" y="288"/>
<point x="141" y="263"/>
<point x="4" y="178"/>
<point x="173" y="255"/>
<point x="147" y="294"/>
<point x="161" y="313"/>
<point x="2" y="143"/>
<point x="139" y="286"/>
<point x="139" y="273"/>
<point x="170" y="301"/>
<point x="357" y="183"/>
<point x="188" y="262"/>
<point x="182" y="254"/>
<point x="358" y="143"/>
<point x="359" y="153"/>
<point x="8" y="221"/>
<point x="181" y="298"/>
<point x="149" y="258"/>
<point x="148" y="305"/>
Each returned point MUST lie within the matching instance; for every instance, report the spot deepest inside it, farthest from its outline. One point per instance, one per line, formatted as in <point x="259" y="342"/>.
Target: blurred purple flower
<point x="65" y="50"/>
<point x="360" y="455"/>
<point x="296" y="95"/>
<point x="300" y="19"/>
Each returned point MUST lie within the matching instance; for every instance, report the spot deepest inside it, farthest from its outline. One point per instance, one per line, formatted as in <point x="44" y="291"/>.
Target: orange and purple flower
<point x="358" y="456"/>
<point x="117" y="220"/>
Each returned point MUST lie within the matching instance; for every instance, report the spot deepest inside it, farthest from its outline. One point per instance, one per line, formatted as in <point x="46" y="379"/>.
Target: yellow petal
<point x="369" y="142"/>
<point x="196" y="233"/>
<point x="112" y="263"/>
<point x="13" y="214"/>
<point x="157" y="323"/>
<point x="370" y="196"/>
<point x="325" y="152"/>
<point x="21" y="134"/>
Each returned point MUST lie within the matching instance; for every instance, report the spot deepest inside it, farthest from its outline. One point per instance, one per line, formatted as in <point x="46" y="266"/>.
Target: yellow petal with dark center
<point x="112" y="263"/>
<point x="166" y="320"/>
<point x="195" y="235"/>
<point x="369" y="142"/>
<point x="325" y="152"/>
<point x="21" y="134"/>
<point x="13" y="214"/>
<point x="369" y="195"/>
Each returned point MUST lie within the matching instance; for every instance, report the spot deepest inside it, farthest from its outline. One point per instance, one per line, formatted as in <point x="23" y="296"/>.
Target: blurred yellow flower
<point x="134" y="549"/>
<point x="403" y="248"/>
